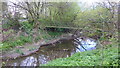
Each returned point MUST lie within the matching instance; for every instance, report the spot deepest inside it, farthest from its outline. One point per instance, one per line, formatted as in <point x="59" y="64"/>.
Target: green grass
<point x="19" y="51"/>
<point x="98" y="57"/>
<point x="54" y="34"/>
<point x="21" y="40"/>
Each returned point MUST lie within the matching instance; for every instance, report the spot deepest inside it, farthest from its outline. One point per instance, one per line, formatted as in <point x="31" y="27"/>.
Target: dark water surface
<point x="63" y="49"/>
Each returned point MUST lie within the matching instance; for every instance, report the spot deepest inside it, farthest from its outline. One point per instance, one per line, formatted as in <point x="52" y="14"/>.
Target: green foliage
<point x="31" y="49"/>
<point x="61" y="14"/>
<point x="26" y="26"/>
<point x="8" y="32"/>
<point x="37" y="39"/>
<point x="54" y="34"/>
<point x="9" y="23"/>
<point x="89" y="58"/>
<point x="19" y="51"/>
<point x="90" y="16"/>
<point x="18" y="42"/>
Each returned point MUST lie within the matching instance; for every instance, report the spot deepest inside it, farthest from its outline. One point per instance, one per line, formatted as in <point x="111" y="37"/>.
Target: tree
<point x="112" y="8"/>
<point x="63" y="13"/>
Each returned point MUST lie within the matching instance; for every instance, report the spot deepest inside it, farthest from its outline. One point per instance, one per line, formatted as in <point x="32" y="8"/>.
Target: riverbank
<point x="99" y="57"/>
<point x="28" y="49"/>
<point x="107" y="55"/>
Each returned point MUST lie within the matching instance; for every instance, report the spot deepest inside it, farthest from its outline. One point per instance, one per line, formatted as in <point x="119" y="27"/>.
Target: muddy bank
<point x="28" y="49"/>
<point x="59" y="48"/>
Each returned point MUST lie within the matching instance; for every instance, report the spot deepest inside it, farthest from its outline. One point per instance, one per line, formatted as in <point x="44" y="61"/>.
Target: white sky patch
<point x="88" y="1"/>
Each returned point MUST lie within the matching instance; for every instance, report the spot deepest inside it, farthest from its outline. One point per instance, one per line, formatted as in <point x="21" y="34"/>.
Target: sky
<point x="89" y="2"/>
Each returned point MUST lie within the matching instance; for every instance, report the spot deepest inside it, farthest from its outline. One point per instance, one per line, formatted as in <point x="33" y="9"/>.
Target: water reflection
<point x="64" y="49"/>
<point x="29" y="61"/>
<point x="85" y="44"/>
<point x="45" y="54"/>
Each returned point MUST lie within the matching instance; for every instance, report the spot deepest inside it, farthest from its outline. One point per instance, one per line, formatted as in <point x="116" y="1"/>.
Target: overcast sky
<point x="88" y="1"/>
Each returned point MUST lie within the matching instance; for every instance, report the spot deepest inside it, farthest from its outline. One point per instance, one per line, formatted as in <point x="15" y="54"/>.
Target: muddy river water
<point x="64" y="48"/>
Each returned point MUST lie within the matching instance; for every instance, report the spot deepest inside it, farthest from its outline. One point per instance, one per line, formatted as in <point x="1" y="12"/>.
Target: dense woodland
<point x="30" y="22"/>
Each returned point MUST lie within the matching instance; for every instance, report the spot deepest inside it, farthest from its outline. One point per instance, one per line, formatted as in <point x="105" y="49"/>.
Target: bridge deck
<point x="62" y="27"/>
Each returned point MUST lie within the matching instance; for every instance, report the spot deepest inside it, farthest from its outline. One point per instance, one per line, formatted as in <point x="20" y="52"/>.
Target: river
<point x="63" y="49"/>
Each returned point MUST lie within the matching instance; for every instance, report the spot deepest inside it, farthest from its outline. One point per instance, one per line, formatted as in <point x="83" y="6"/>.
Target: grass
<point x="98" y="57"/>
<point x="21" y="40"/>
<point x="54" y="34"/>
<point x="19" y="51"/>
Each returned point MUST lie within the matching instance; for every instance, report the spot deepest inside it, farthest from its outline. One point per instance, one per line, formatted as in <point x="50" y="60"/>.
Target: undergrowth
<point x="99" y="57"/>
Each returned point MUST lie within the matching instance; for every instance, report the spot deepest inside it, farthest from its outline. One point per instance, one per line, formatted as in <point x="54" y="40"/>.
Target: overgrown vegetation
<point x="99" y="57"/>
<point x="28" y="22"/>
<point x="21" y="40"/>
